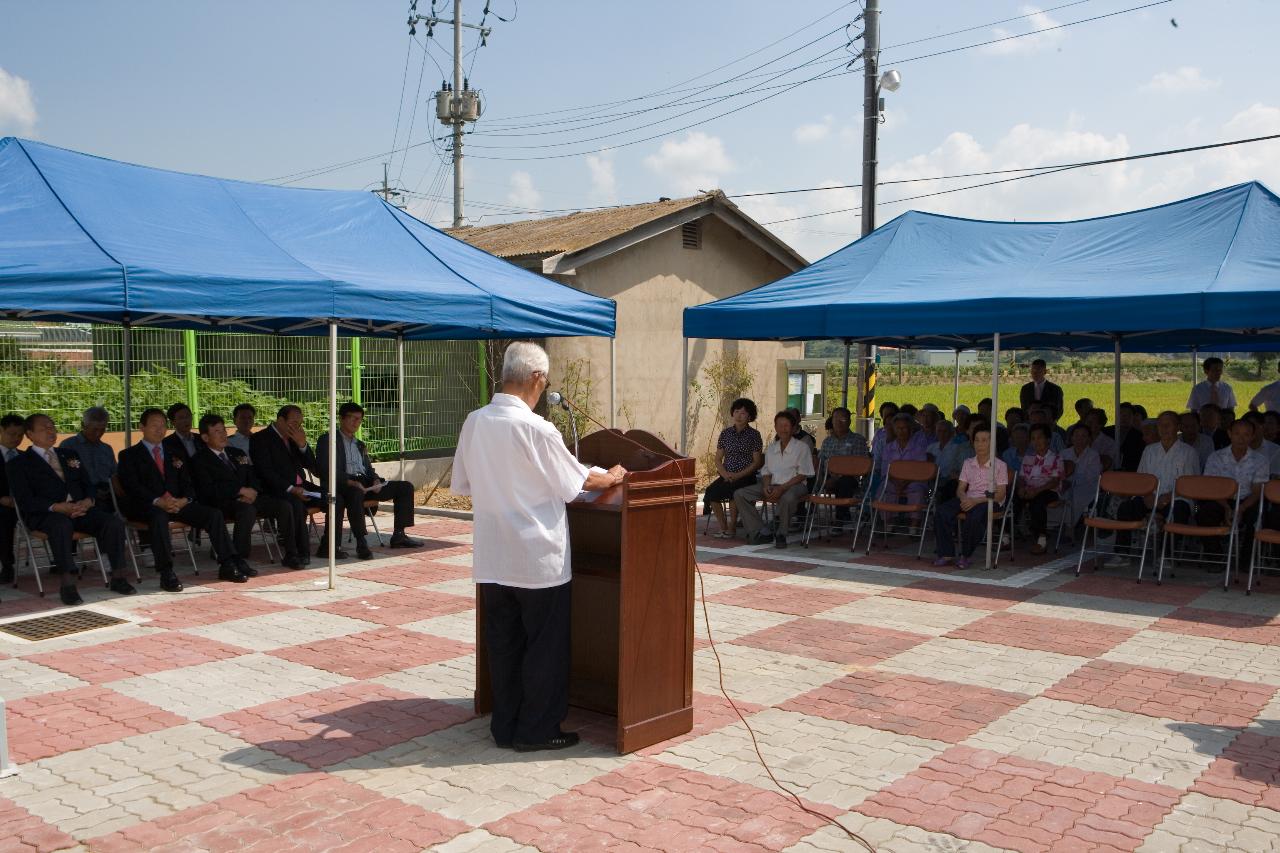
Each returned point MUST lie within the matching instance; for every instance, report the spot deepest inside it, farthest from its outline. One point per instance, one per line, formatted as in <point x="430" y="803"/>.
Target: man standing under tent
<point x="520" y="476"/>
<point x="1041" y="390"/>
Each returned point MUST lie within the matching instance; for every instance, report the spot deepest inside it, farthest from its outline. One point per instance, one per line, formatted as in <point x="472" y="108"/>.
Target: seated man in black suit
<point x="225" y="479"/>
<point x="358" y="482"/>
<point x="12" y="429"/>
<point x="53" y="494"/>
<point x="157" y="490"/>
<point x="182" y="443"/>
<point x="283" y="462"/>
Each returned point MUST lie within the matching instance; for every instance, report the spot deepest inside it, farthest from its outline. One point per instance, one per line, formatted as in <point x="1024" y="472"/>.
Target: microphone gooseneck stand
<point x="555" y="398"/>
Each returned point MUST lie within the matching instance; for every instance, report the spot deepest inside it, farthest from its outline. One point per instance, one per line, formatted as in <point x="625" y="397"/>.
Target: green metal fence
<point x="63" y="369"/>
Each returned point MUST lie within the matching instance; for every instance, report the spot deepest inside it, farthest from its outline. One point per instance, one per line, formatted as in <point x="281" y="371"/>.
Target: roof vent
<point x="691" y="235"/>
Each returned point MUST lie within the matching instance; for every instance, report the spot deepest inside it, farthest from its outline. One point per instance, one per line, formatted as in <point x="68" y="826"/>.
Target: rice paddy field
<point x="1155" y="396"/>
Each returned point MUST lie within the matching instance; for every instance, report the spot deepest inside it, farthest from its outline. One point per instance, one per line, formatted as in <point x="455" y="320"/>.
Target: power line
<point x="1044" y="170"/>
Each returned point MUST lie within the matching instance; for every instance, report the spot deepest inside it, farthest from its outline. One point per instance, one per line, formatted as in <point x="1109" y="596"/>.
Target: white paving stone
<point x="1103" y="740"/>
<point x="901" y="614"/>
<point x="1200" y="824"/>
<point x="1200" y="655"/>
<point x="713" y="584"/>
<point x="885" y="836"/>
<point x="1093" y="608"/>
<point x="454" y="626"/>
<point x="457" y="559"/>
<point x="464" y="587"/>
<point x="20" y="678"/>
<point x="759" y="675"/>
<point x="313" y="591"/>
<point x="287" y="628"/>
<point x="729" y="622"/>
<point x="984" y="665"/>
<point x="452" y="681"/>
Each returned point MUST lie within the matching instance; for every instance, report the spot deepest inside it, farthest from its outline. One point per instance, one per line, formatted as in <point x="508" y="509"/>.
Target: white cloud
<point x="814" y="131"/>
<point x="1039" y="21"/>
<point x="604" y="183"/>
<point x="1187" y="79"/>
<point x="17" y="105"/>
<point x="521" y="192"/>
<point x="694" y="163"/>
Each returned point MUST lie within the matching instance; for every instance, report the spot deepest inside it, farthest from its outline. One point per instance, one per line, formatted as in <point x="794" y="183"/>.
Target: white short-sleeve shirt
<point x="1203" y="393"/>
<point x="519" y="474"/>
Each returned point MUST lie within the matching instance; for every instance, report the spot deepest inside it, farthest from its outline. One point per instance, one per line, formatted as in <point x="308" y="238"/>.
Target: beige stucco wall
<point x="653" y="282"/>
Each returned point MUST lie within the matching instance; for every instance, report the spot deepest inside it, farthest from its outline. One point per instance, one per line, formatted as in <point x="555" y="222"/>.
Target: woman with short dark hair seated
<point x="739" y="455"/>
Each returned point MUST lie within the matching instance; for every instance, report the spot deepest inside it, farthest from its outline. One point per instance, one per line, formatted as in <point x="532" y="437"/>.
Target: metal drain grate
<point x="59" y="625"/>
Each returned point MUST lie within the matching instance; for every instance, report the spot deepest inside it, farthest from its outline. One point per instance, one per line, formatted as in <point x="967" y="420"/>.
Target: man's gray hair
<point x="95" y="415"/>
<point x="522" y="360"/>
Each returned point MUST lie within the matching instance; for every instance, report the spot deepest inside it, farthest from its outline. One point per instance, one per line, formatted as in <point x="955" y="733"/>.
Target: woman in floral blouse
<point x="739" y="455"/>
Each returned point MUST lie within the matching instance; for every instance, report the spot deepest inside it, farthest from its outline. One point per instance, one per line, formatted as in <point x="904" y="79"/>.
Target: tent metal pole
<point x="955" y="388"/>
<point x="400" y="397"/>
<point x="331" y="505"/>
<point x="1115" y="412"/>
<point x="126" y="367"/>
<point x="1195" y="362"/>
<point x="844" y="394"/>
<point x="684" y="400"/>
<point x="613" y="382"/>
<point x="995" y="407"/>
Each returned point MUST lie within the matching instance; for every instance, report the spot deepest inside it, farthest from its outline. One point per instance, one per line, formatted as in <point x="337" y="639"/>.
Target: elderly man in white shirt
<point x="1212" y="389"/>
<point x="1251" y="470"/>
<point x="788" y="465"/>
<point x="520" y="476"/>
<point x="1166" y="460"/>
<point x="1268" y="396"/>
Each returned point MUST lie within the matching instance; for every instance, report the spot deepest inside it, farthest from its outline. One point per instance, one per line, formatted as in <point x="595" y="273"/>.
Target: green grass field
<point x="1155" y="396"/>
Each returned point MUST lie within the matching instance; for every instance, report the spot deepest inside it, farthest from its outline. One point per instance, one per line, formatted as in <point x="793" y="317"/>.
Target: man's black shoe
<point x="229" y="572"/>
<point x="363" y="552"/>
<point x="6" y="574"/>
<point x="322" y="553"/>
<point x="780" y="541"/>
<point x="399" y="540"/>
<point x="293" y="563"/>
<point x="246" y="569"/>
<point x="502" y="744"/>
<point x="70" y="595"/>
<point x="169" y="581"/>
<point x="560" y="741"/>
<point x="121" y="586"/>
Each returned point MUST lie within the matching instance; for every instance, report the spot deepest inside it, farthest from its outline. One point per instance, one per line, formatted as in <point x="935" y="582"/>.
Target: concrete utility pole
<point x="870" y="127"/>
<point x="386" y="191"/>
<point x="458" y="89"/>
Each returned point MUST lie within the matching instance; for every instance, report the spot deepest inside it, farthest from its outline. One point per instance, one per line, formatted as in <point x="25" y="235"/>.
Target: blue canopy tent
<point x="86" y="239"/>
<point x="1201" y="272"/>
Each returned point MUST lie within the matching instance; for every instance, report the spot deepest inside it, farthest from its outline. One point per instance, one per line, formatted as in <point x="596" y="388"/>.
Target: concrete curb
<point x="462" y="514"/>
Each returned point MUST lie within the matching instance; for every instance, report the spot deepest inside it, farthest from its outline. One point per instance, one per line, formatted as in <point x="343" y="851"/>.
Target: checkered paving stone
<point x="328" y="726"/>
<point x="729" y="622"/>
<point x="921" y="707"/>
<point x="647" y="805"/>
<point x="1200" y="655"/>
<point x="413" y="573"/>
<point x="301" y="813"/>
<point x="20" y="678"/>
<point x="761" y="676"/>
<point x="1104" y="740"/>
<point x="824" y="761"/>
<point x="373" y="653"/>
<point x="1223" y="625"/>
<point x="1200" y="823"/>
<point x="1247" y="771"/>
<point x="755" y="568"/>
<point x="399" y="607"/>
<point x="186" y="609"/>
<point x="961" y="594"/>
<point x="1259" y="603"/>
<point x="286" y="628"/>
<point x="141" y="778"/>
<point x="23" y="832"/>
<point x="1055" y="604"/>
<point x="1164" y="693"/>
<point x="54" y="723"/>
<point x="1063" y="636"/>
<point x="1128" y="589"/>
<point x="837" y="642"/>
<point x="139" y="656"/>
<point x="900" y="614"/>
<point x="997" y="667"/>
<point x="711" y="712"/>
<point x="885" y="836"/>
<point x="1023" y="805"/>
<point x="784" y="598"/>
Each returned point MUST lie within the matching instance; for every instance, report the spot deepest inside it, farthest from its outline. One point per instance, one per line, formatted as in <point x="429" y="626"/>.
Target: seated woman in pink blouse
<point x="971" y="499"/>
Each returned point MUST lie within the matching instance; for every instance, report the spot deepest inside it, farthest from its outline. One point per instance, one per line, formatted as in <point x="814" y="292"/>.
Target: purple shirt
<point x="913" y="452"/>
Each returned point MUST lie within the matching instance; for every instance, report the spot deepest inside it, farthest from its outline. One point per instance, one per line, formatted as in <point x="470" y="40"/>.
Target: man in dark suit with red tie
<point x="182" y="443"/>
<point x="225" y="480"/>
<point x="158" y="490"/>
<point x="1041" y="390"/>
<point x="284" y="462"/>
<point x="55" y="497"/>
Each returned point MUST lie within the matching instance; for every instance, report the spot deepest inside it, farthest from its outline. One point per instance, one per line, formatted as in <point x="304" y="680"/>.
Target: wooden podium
<point x="632" y="557"/>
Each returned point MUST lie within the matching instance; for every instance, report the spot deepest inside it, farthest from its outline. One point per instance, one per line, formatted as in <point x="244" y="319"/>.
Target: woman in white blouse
<point x="1084" y="467"/>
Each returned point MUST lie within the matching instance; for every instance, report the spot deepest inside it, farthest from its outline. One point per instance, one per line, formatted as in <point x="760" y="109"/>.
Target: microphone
<point x="555" y="398"/>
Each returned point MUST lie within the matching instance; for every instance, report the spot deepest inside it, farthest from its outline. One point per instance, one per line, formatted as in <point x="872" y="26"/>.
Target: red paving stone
<point x="651" y="806"/>
<point x="908" y="705"/>
<point x="1023" y="805"/>
<point x="1127" y="589"/>
<point x="54" y="723"/>
<point x="399" y="607"/>
<point x="326" y="727"/>
<point x="189" y="610"/>
<point x="23" y="832"/>
<point x="838" y="642"/>
<point x="710" y="713"/>
<point x="1222" y="625"/>
<point x="1248" y="771"/>
<point x="11" y="606"/>
<point x="413" y="574"/>
<point x="303" y="813"/>
<point x="1045" y="634"/>
<point x="137" y="656"/>
<point x="961" y="594"/>
<point x="755" y="568"/>
<point x="373" y="653"/>
<point x="785" y="598"/>
<point x="1164" y="693"/>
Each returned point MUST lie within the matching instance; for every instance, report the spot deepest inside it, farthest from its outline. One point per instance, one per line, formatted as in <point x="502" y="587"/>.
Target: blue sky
<point x="257" y="90"/>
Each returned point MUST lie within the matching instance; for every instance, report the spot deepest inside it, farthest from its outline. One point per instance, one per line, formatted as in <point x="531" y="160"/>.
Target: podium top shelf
<point x="645" y="456"/>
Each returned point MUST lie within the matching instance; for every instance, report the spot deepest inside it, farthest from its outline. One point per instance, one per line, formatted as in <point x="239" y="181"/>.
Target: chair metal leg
<point x="1084" y="543"/>
<point x="31" y="561"/>
<point x="1164" y="555"/>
